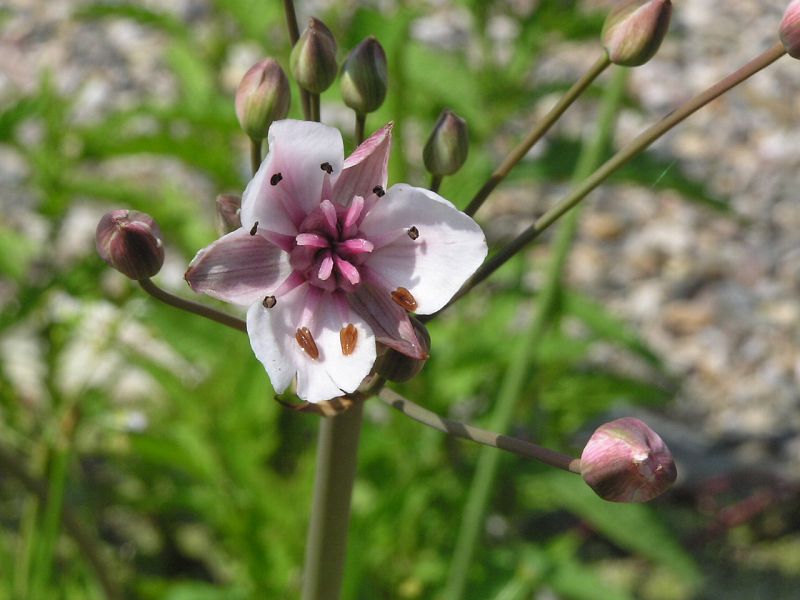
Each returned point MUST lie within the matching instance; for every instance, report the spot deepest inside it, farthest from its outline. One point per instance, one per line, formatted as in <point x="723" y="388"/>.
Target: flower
<point x="330" y="262"/>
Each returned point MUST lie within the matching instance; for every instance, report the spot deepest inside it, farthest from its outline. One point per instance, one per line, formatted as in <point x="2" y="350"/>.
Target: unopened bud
<point x="790" y="29"/>
<point x="634" y="30"/>
<point x="396" y="366"/>
<point x="364" y="78"/>
<point x="313" y="58"/>
<point x="262" y="97"/>
<point x="626" y="461"/>
<point x="229" y="208"/>
<point x="447" y="147"/>
<point x="130" y="241"/>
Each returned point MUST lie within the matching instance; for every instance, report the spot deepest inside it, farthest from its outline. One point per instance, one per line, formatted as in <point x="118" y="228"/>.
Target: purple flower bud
<point x="263" y="96"/>
<point x="634" y="30"/>
<point x="396" y="366"/>
<point x="790" y="29"/>
<point x="229" y="208"/>
<point x="130" y="241"/>
<point x="313" y="58"/>
<point x="364" y="78"/>
<point x="447" y="147"/>
<point x="626" y="461"/>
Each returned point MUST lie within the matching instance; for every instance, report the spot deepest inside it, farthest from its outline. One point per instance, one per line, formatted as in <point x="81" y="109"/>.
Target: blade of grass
<point x="511" y="387"/>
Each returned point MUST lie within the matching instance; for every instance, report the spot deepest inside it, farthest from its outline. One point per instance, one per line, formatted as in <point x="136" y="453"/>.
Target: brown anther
<point x="269" y="301"/>
<point x="348" y="336"/>
<point x="378" y="191"/>
<point x="413" y="232"/>
<point x="254" y="228"/>
<point x="306" y="341"/>
<point x="275" y="179"/>
<point x="326" y="166"/>
<point x="404" y="299"/>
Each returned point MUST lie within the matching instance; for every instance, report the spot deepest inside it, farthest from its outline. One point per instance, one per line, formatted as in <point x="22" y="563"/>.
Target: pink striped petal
<point x="365" y="168"/>
<point x="239" y="268"/>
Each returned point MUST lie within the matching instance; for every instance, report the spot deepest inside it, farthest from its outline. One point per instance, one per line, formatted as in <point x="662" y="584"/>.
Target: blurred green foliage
<point x="158" y="430"/>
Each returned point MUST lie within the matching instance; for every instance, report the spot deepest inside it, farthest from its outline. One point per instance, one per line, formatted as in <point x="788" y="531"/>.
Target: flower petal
<point x="446" y="247"/>
<point x="272" y="337"/>
<point x="239" y="268"/>
<point x="388" y="321"/>
<point x="365" y="168"/>
<point x="268" y="204"/>
<point x="302" y="152"/>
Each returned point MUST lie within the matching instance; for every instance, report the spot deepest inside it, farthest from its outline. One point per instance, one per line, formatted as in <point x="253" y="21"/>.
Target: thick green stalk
<point x="361" y="121"/>
<point x="326" y="546"/>
<point x="535" y="134"/>
<point x="255" y="155"/>
<point x="294" y="35"/>
<point x="519" y="369"/>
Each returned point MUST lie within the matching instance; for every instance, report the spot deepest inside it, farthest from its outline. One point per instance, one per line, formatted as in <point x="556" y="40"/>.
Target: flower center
<point x="329" y="251"/>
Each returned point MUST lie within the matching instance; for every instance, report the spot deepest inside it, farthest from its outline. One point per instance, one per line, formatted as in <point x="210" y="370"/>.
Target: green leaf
<point x="634" y="527"/>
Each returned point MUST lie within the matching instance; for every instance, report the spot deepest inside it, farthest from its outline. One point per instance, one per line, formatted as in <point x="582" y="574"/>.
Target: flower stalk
<point x="192" y="307"/>
<point x="620" y="159"/>
<point x="476" y="434"/>
<point x="294" y="35"/>
<point x="521" y="149"/>
<point x="326" y="546"/>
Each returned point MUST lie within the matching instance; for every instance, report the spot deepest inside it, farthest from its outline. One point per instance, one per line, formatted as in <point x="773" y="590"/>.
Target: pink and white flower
<point x="330" y="262"/>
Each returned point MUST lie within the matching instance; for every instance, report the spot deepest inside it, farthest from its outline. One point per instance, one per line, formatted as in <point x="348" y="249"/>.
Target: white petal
<point x="297" y="149"/>
<point x="272" y="337"/>
<point x="239" y="268"/>
<point x="449" y="248"/>
<point x="263" y="203"/>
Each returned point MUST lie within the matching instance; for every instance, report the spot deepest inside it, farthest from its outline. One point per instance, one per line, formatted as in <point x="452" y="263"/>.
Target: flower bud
<point x="130" y="241"/>
<point x="626" y="461"/>
<point x="790" y="29"/>
<point x="229" y="208"/>
<point x="447" y="147"/>
<point x="262" y="97"/>
<point x="396" y="366"/>
<point x="313" y="58"/>
<point x="634" y="30"/>
<point x="364" y="77"/>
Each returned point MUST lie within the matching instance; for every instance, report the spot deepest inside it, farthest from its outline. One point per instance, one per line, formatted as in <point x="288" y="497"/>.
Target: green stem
<point x="436" y="182"/>
<point x="14" y="466"/>
<point x="621" y="158"/>
<point x="519" y="369"/>
<point x="315" y="114"/>
<point x="192" y="307"/>
<point x="294" y="35"/>
<point x="255" y="155"/>
<point x="326" y="546"/>
<point x="521" y="149"/>
<point x="476" y="434"/>
<point x="361" y="121"/>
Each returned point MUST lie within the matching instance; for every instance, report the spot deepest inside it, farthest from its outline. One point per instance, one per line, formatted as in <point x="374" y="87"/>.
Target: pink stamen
<point x="355" y="246"/>
<point x="347" y="270"/>
<point x="354" y="211"/>
<point x="325" y="266"/>
<point x="312" y="239"/>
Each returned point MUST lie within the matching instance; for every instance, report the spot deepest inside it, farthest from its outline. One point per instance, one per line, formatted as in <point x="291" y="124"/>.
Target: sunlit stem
<point x="14" y="466"/>
<point x="326" y="545"/>
<point x="255" y="155"/>
<point x="361" y="121"/>
<point x="521" y="149"/>
<point x="483" y="483"/>
<point x="294" y="35"/>
<point x="476" y="434"/>
<point x="436" y="182"/>
<point x="621" y="158"/>
<point x="192" y="307"/>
